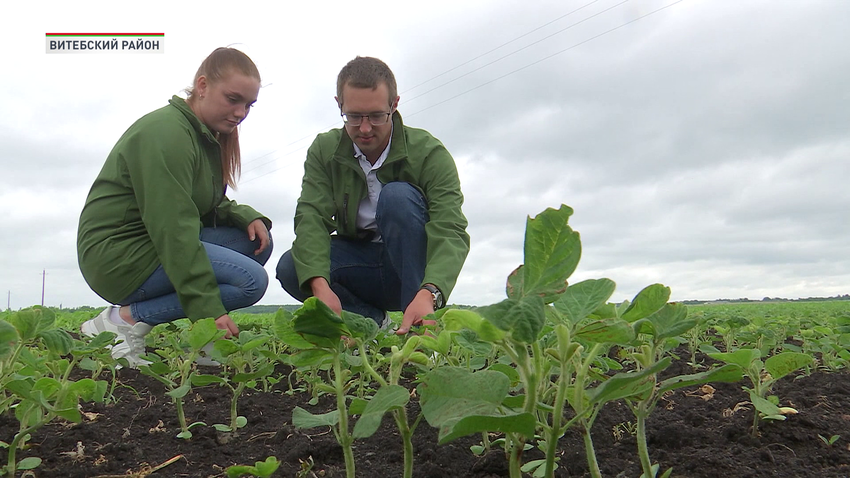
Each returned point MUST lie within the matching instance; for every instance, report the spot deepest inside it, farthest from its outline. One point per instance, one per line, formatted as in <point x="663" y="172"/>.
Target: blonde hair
<point x="220" y="63"/>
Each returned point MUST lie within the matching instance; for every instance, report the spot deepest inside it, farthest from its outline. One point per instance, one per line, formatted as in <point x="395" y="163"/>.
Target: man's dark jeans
<point x="372" y="277"/>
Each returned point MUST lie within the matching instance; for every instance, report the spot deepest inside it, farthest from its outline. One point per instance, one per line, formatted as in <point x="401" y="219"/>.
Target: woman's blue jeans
<point x="372" y="277"/>
<point x="241" y="278"/>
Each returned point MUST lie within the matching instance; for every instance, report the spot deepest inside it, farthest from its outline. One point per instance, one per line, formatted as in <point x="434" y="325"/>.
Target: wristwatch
<point x="439" y="303"/>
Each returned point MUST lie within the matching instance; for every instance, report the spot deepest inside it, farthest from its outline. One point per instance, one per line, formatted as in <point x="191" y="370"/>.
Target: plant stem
<point x="515" y="463"/>
<point x="233" y="414"/>
<point x="345" y="438"/>
<point x="643" y="450"/>
<point x="590" y="452"/>
<point x="400" y="416"/>
<point x="181" y="417"/>
<point x="557" y="416"/>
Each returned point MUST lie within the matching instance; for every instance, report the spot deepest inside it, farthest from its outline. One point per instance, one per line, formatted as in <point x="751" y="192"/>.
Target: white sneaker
<point x="204" y="359"/>
<point x="132" y="337"/>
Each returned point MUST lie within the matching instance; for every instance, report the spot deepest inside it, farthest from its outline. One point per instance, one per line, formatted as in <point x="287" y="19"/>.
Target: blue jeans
<point x="241" y="278"/>
<point x="371" y="277"/>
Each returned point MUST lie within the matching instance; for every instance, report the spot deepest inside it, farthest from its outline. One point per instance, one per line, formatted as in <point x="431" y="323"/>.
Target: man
<point x="392" y="195"/>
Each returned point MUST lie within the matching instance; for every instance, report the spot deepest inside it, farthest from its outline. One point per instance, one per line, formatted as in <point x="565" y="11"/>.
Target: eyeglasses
<point x="376" y="119"/>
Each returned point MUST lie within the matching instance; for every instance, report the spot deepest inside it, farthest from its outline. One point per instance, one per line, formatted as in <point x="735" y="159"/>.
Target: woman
<point x="157" y="235"/>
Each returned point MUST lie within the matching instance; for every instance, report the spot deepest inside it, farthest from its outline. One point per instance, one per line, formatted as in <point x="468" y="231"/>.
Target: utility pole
<point x="43" y="276"/>
<point x="9" y="301"/>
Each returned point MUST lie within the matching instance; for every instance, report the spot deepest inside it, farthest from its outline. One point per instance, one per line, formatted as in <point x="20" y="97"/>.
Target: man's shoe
<point x="132" y="337"/>
<point x="385" y="325"/>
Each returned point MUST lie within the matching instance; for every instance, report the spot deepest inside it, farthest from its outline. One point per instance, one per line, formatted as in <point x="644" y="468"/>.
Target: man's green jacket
<point x="159" y="186"/>
<point x="334" y="184"/>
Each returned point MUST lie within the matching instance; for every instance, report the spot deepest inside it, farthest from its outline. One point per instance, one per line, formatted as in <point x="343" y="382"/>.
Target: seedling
<point x="320" y="326"/>
<point x="829" y="441"/>
<point x="261" y="469"/>
<point x="243" y="356"/>
<point x="762" y="376"/>
<point x="174" y="367"/>
<point x="40" y="397"/>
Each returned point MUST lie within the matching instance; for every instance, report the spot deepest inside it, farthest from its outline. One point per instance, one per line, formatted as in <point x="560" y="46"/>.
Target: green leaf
<point x="85" y="388"/>
<point x="522" y="423"/>
<point x="607" y="331"/>
<point x="57" y="341"/>
<point x="523" y="318"/>
<point x="303" y="419"/>
<point x="387" y="398"/>
<point x="726" y="373"/>
<point x="509" y="371"/>
<point x="459" y="319"/>
<point x="551" y="253"/>
<point x="764" y="406"/>
<point x="32" y="321"/>
<point x="646" y="302"/>
<point x="358" y="326"/>
<point x="203" y="332"/>
<point x="581" y="299"/>
<point x="226" y="348"/>
<point x="180" y="391"/>
<point x="310" y="357"/>
<point x="202" y="380"/>
<point x="29" y="463"/>
<point x="671" y="320"/>
<point x="468" y="340"/>
<point x="8" y="338"/>
<point x="266" y="468"/>
<point x="318" y="324"/>
<point x="784" y="363"/>
<point x="741" y="357"/>
<point x="448" y="394"/>
<point x="628" y="384"/>
<point x="102" y="340"/>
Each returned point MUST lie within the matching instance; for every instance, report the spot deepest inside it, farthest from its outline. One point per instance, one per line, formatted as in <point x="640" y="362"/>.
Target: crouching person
<point x="157" y="236"/>
<point x="392" y="195"/>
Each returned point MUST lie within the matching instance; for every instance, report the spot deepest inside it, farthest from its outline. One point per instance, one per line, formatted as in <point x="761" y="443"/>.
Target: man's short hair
<point x="366" y="72"/>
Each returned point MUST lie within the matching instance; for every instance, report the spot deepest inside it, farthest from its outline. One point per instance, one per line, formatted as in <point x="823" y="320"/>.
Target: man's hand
<point x="226" y="324"/>
<point x="322" y="291"/>
<point x="256" y="229"/>
<point x="421" y="305"/>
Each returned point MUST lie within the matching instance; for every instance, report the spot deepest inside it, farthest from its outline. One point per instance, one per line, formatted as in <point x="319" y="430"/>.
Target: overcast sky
<point x="705" y="146"/>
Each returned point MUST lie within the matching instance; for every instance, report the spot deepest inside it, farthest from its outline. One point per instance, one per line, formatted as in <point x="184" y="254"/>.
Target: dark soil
<point x="697" y="432"/>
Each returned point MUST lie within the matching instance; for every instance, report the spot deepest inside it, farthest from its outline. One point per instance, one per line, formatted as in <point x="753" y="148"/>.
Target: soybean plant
<point x="241" y="355"/>
<point x="174" y="368"/>
<point x="36" y="377"/>
<point x="320" y="326"/>
<point x="762" y="376"/>
<point x="390" y="397"/>
<point x="657" y="324"/>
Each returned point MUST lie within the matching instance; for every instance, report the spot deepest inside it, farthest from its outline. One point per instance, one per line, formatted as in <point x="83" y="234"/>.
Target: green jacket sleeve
<point x="229" y="213"/>
<point x="314" y="219"/>
<point x="448" y="241"/>
<point x="161" y="172"/>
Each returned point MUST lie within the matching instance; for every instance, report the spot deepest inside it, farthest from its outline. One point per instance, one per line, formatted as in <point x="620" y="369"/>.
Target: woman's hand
<point x="257" y="229"/>
<point x="229" y="327"/>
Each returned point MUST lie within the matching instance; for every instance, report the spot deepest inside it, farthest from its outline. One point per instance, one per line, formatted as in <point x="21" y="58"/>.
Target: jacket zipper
<point x="343" y="220"/>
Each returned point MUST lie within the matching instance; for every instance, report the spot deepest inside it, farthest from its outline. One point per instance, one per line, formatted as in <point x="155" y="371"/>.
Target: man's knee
<point x="401" y="201"/>
<point x="285" y="273"/>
